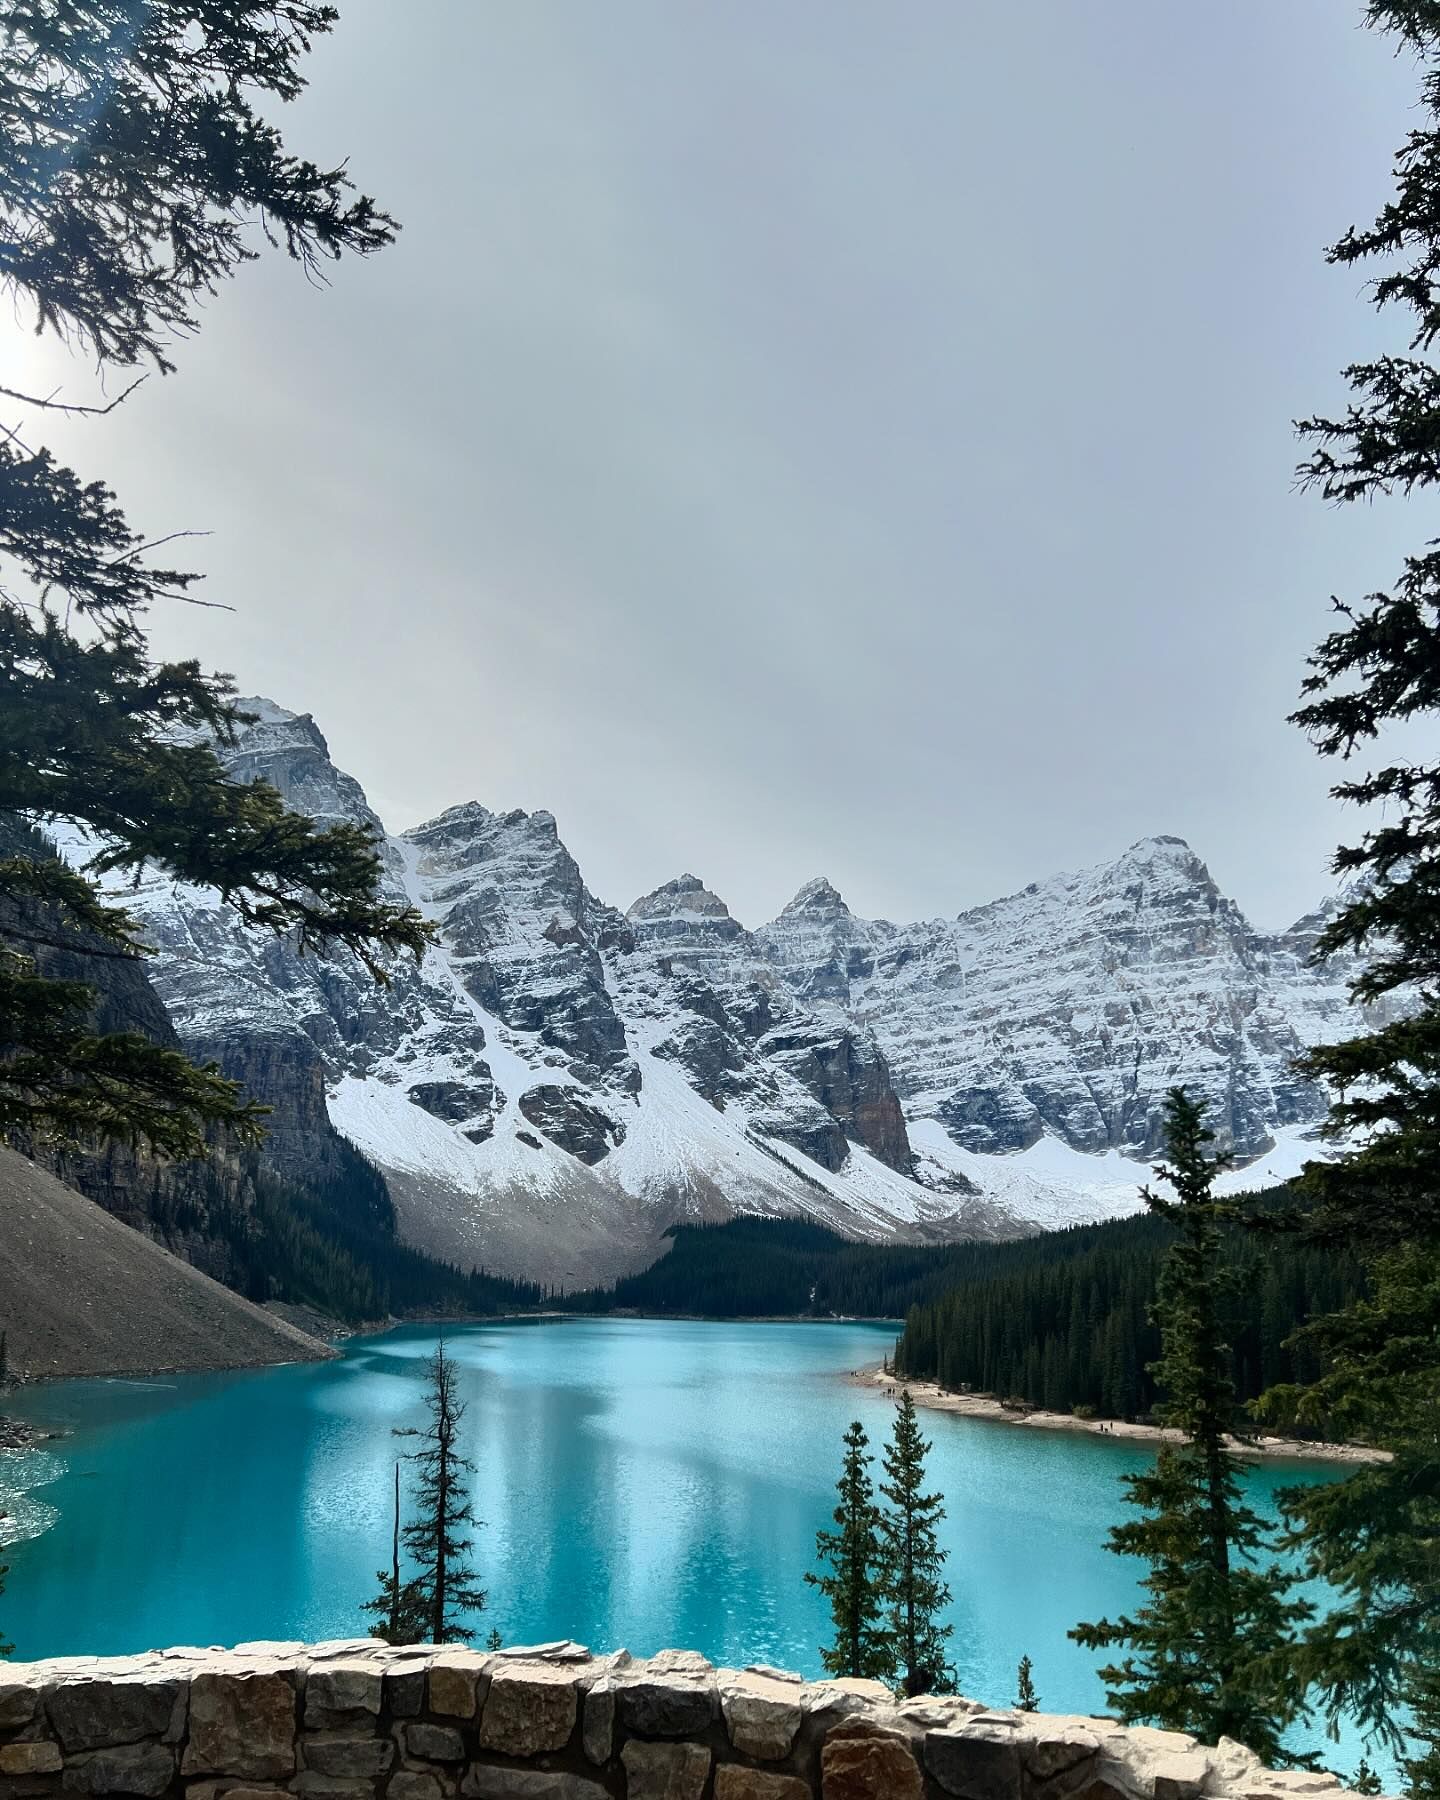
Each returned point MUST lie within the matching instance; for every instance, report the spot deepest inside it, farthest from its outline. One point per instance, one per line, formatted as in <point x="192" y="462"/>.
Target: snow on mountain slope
<point x="1052" y="1186"/>
<point x="552" y="1085"/>
<point x="1065" y="1012"/>
<point x="555" y="1082"/>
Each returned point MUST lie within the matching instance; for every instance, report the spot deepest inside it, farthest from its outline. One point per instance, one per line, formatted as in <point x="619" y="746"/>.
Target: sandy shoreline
<point x="981" y="1406"/>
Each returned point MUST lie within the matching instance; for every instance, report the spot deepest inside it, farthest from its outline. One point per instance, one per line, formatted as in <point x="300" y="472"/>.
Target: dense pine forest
<point x="1057" y="1321"/>
<point x="310" y="1244"/>
<point x="1062" y="1321"/>
<point x="763" y="1268"/>
<point x="327" y="1240"/>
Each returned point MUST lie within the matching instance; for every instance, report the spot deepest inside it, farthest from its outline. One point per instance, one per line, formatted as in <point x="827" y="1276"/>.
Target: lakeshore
<point x="20" y="1434"/>
<point x="643" y="1483"/>
<point x="985" y="1406"/>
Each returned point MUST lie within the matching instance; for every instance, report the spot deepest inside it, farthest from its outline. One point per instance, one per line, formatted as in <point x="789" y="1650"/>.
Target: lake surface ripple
<point x="643" y="1483"/>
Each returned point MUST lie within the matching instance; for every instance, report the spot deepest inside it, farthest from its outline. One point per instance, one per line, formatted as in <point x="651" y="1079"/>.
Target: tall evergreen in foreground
<point x="914" y="1561"/>
<point x="138" y="171"/>
<point x="399" y="1605"/>
<point x="439" y="1539"/>
<point x="1205" y="1651"/>
<point x="854" y="1586"/>
<point x="1422" y="1765"/>
<point x="1063" y="1320"/>
<point x="1376" y="1536"/>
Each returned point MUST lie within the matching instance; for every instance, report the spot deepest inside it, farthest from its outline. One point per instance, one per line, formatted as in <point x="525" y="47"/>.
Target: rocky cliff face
<point x="557" y="1081"/>
<point x="1066" y="1011"/>
<point x="814" y="1083"/>
<point x="203" y="1210"/>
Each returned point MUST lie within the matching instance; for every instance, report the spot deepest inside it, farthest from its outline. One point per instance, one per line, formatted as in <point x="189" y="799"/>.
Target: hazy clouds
<point x="825" y="437"/>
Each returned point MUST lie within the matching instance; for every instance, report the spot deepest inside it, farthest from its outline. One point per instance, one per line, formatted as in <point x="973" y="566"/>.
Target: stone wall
<point x="358" y="1721"/>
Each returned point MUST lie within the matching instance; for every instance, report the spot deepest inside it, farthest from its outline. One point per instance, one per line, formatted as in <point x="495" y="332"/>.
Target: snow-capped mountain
<point x="557" y="1081"/>
<point x="1068" y="1009"/>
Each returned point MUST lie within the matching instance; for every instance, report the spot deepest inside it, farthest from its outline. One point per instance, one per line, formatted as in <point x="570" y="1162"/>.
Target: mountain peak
<point x="267" y="711"/>
<point x="1160" y="847"/>
<point x="279" y="724"/>
<point x="546" y="1051"/>
<point x="466" y="812"/>
<point x="1166" y="862"/>
<point x="685" y="897"/>
<point x="819" y="897"/>
<point x="288" y="749"/>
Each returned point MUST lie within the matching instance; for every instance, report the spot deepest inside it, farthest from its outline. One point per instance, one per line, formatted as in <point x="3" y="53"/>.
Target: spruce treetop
<point x="440" y="1538"/>
<point x="854" y="1583"/>
<point x="1209" y="1650"/>
<point x="914" y="1559"/>
<point x="136" y="173"/>
<point x="1371" y="680"/>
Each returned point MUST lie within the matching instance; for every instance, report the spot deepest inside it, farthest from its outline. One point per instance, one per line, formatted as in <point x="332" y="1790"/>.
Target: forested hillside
<point x="1062" y="1321"/>
<point x="1058" y="1320"/>
<point x="759" y="1268"/>
<point x="316" y="1231"/>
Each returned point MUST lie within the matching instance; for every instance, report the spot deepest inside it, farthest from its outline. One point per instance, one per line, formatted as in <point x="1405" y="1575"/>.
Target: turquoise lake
<point x="643" y="1483"/>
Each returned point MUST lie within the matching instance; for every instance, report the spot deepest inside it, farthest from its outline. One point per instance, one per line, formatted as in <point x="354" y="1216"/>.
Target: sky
<point x="821" y="438"/>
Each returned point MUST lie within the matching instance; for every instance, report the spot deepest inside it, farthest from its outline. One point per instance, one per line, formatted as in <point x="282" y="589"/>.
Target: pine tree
<point x="494" y="1641"/>
<point x="399" y="1608"/>
<point x="914" y="1561"/>
<point x="437" y="1539"/>
<point x="1422" y="1765"/>
<point x="1364" y="1780"/>
<point x="5" y="1648"/>
<point x="1207" y="1648"/>
<point x="1026" y="1699"/>
<point x="134" y="168"/>
<point x="853" y="1587"/>
<point x="1372" y="681"/>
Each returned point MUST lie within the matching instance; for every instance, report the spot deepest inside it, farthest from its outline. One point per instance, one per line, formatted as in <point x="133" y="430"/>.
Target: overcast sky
<point x="826" y="437"/>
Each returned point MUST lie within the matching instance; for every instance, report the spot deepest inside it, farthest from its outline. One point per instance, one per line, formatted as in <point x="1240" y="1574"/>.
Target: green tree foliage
<point x="96" y="732"/>
<point x="439" y="1539"/>
<point x="1376" y="1537"/>
<point x="1064" y="1320"/>
<point x="1060" y="1320"/>
<point x="1026" y="1699"/>
<point x="137" y="168"/>
<point x="398" y="1607"/>
<point x="914" y="1562"/>
<point x="329" y="1243"/>
<point x="855" y="1584"/>
<point x="133" y="173"/>
<point x="1206" y="1650"/>
<point x="1422" y="1765"/>
<point x="764" y="1268"/>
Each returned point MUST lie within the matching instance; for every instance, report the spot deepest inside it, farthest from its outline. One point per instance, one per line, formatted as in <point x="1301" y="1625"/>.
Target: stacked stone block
<point x="357" y="1720"/>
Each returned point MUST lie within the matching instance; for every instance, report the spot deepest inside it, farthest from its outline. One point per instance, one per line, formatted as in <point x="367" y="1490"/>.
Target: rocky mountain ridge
<point x="1067" y="1010"/>
<point x="557" y="1081"/>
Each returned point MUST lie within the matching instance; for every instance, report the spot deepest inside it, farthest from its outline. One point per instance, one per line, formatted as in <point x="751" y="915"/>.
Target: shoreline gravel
<point x="985" y="1406"/>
